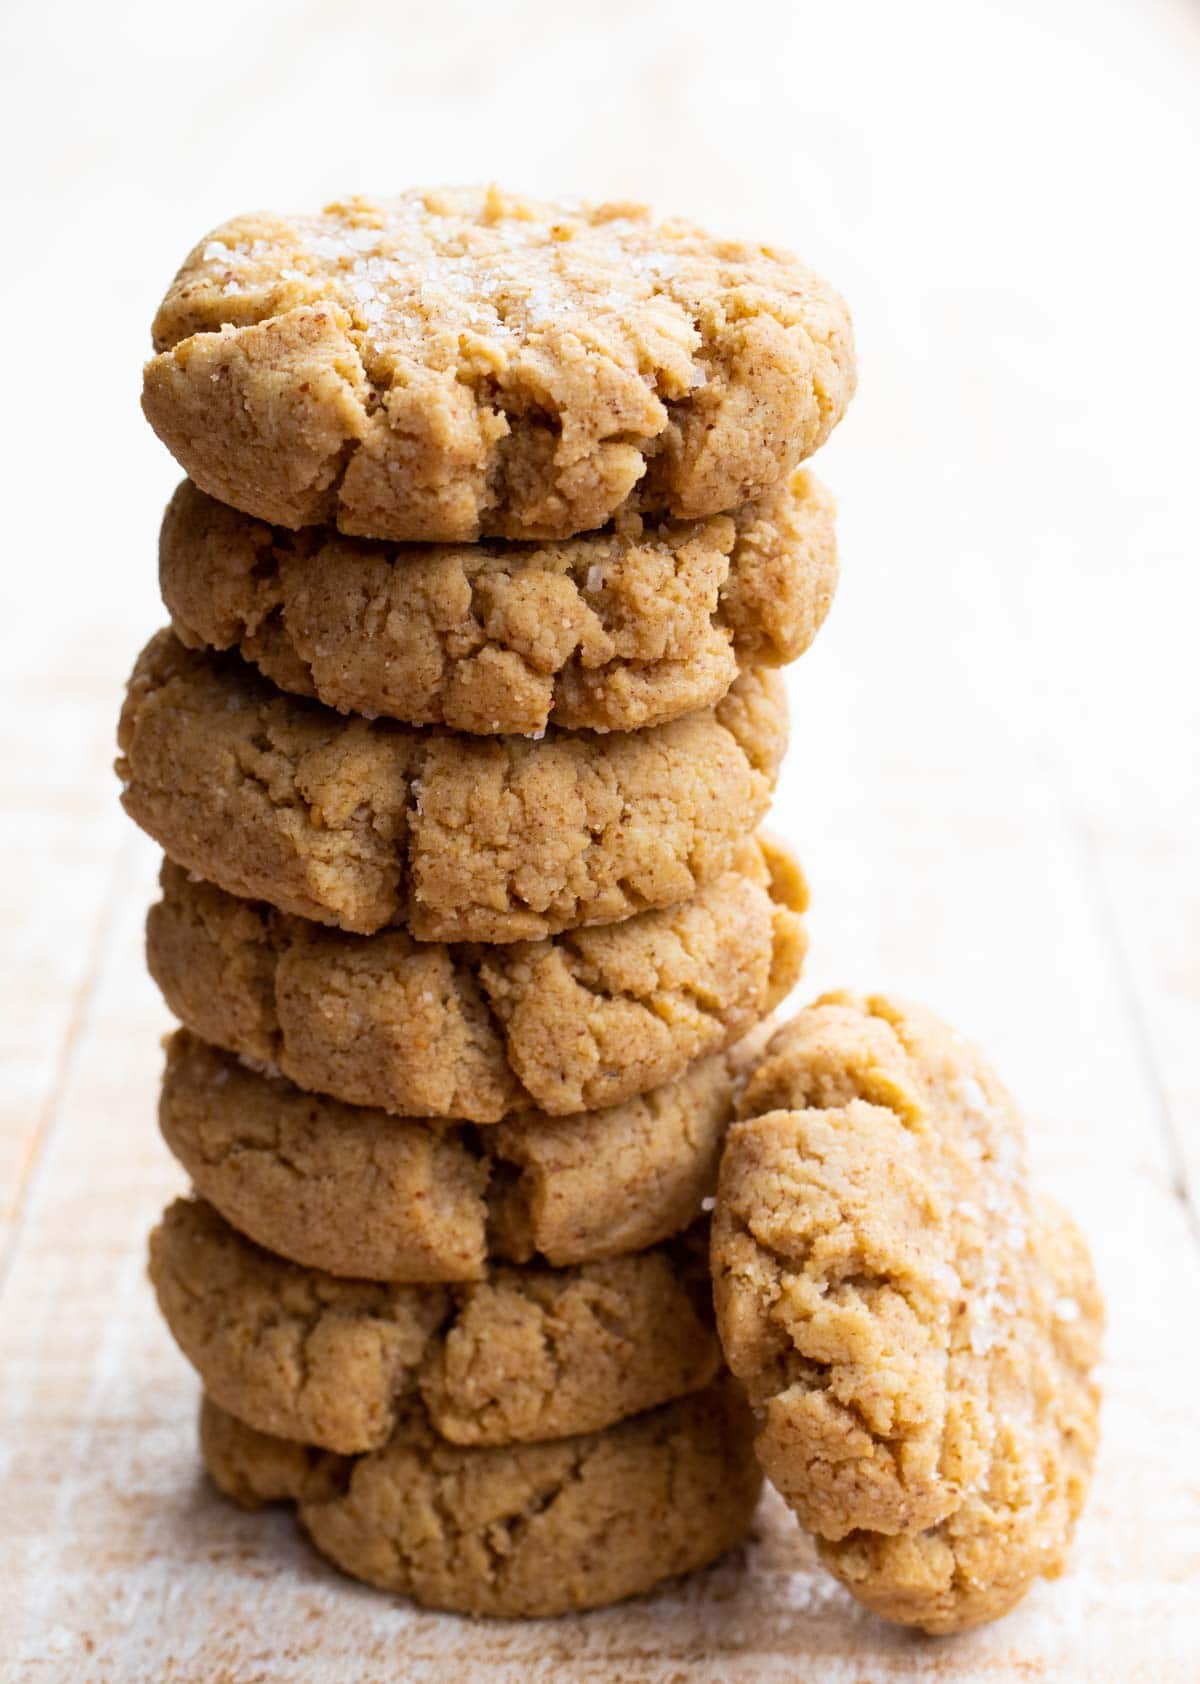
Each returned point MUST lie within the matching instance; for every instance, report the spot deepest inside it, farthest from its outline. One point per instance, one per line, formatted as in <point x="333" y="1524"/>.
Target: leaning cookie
<point x="363" y="824"/>
<point x="460" y="362"/>
<point x="580" y="1022"/>
<point x="525" y="1354"/>
<point x="513" y="1531"/>
<point x="613" y="632"/>
<point x="356" y="1192"/>
<point x="915" y="1329"/>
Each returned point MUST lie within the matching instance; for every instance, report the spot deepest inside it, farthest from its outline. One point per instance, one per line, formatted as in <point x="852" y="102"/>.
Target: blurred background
<point x="994" y="775"/>
<point x="1006" y="192"/>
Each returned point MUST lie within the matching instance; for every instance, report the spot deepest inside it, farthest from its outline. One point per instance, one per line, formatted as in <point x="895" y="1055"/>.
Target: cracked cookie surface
<point x="365" y="824"/>
<point x="579" y="1022"/>
<point x="613" y="632"/>
<point x="357" y="1192"/>
<point x="916" y="1330"/>
<point x="461" y="362"/>
<point x="514" y="1531"/>
<point x="524" y="1354"/>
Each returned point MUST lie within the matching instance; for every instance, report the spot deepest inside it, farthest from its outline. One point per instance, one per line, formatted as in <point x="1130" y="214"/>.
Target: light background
<point x="994" y="773"/>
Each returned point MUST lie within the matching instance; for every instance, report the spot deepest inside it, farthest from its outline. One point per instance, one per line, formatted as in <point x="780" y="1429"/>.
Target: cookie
<point x="613" y="632"/>
<point x="524" y="1354"/>
<point x="457" y="363"/>
<point x="915" y="1329"/>
<point x="356" y="1192"/>
<point x="523" y="1530"/>
<point x="581" y="1022"/>
<point x="364" y="824"/>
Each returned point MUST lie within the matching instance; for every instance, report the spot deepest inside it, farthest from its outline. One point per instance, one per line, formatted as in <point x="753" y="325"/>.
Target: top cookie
<point x="916" y="1330"/>
<point x="458" y="363"/>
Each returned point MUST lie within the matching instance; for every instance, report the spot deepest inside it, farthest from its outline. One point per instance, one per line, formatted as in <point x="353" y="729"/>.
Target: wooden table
<point x="994" y="773"/>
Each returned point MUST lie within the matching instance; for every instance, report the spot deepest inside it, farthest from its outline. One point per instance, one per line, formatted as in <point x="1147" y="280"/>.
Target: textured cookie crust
<point x="365" y="824"/>
<point x="522" y="1530"/>
<point x="525" y="1354"/>
<point x="915" y="1330"/>
<point x="612" y="632"/>
<point x="454" y="363"/>
<point x="581" y="1022"/>
<point x="356" y="1192"/>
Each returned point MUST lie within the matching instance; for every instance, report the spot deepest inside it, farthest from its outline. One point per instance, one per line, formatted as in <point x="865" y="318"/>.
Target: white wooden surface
<point x="993" y="779"/>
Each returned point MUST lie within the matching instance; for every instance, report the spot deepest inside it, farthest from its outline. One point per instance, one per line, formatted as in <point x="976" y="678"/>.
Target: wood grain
<point x="993" y="782"/>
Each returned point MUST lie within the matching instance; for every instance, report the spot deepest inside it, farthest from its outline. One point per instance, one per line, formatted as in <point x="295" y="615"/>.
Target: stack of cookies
<point x="492" y="544"/>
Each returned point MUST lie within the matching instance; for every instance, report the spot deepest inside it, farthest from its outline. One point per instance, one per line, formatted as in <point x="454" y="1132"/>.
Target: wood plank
<point x="65" y="834"/>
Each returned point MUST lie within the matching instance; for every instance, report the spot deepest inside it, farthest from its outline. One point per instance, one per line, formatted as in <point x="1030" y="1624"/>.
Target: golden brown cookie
<point x="357" y="1192"/>
<point x="524" y="1354"/>
<point x="581" y="1022"/>
<point x="364" y="824"/>
<point x="519" y="1530"/>
<point x="916" y="1331"/>
<point x="459" y="362"/>
<point x="613" y="632"/>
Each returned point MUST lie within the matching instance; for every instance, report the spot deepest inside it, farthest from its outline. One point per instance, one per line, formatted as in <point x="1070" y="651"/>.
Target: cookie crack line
<point x="504" y="1537"/>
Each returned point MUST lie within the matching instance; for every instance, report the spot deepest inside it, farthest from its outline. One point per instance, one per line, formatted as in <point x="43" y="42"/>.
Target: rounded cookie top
<point x="362" y="824"/>
<point x="513" y="1531"/>
<point x="915" y="1330"/>
<point x="452" y="364"/>
<point x="524" y="1354"/>
<point x="580" y="1022"/>
<point x="612" y="632"/>
<point x="356" y="1192"/>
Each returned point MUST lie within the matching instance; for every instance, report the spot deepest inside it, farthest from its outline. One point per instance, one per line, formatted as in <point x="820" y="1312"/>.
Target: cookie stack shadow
<point x="458" y="763"/>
